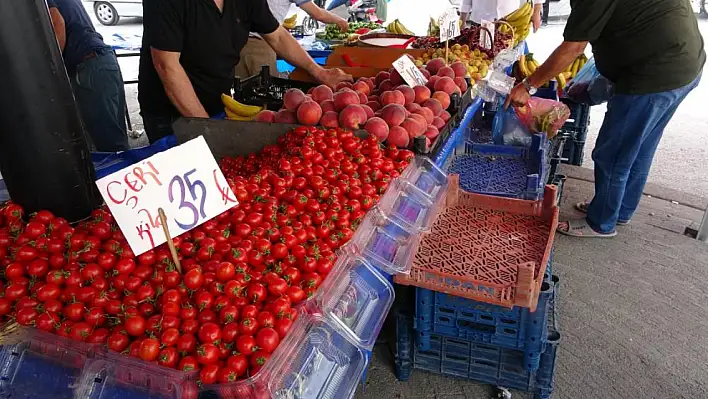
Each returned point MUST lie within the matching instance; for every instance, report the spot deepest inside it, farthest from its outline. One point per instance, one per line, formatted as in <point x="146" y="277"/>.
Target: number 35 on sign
<point x="184" y="181"/>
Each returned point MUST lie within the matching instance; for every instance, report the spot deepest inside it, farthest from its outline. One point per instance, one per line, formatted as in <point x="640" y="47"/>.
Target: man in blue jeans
<point x="652" y="52"/>
<point x="94" y="74"/>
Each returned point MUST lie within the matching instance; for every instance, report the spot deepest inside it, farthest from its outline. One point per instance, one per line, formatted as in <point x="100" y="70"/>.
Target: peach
<point x="398" y="137"/>
<point x="363" y="99"/>
<point x="461" y="83"/>
<point x="396" y="77"/>
<point x="292" y="99"/>
<point x="434" y="105"/>
<point x="413" y="127"/>
<point x="380" y="77"/>
<point x="328" y="105"/>
<point x="431" y="132"/>
<point x="446" y="71"/>
<point x="368" y="110"/>
<point x="393" y="114"/>
<point x="446" y="84"/>
<point x="386" y="85"/>
<point x="445" y="116"/>
<point x="310" y="90"/>
<point x="343" y="98"/>
<point x="343" y="85"/>
<point x="309" y="113"/>
<point x="265" y="116"/>
<point x="434" y="65"/>
<point x="438" y="122"/>
<point x="408" y="93"/>
<point x="372" y="98"/>
<point x="352" y="116"/>
<point x="427" y="114"/>
<point x="377" y="127"/>
<point x="362" y="87"/>
<point x="420" y="119"/>
<point x="431" y="82"/>
<point x="422" y="93"/>
<point x="392" y="97"/>
<point x="424" y="72"/>
<point x="370" y="82"/>
<point x="443" y="98"/>
<point x="374" y="105"/>
<point x="330" y="119"/>
<point x="322" y="93"/>
<point x="413" y="107"/>
<point x="285" y="116"/>
<point x="459" y="69"/>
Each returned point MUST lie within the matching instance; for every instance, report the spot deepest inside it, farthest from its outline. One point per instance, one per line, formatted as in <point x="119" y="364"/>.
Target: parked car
<point x="109" y="12"/>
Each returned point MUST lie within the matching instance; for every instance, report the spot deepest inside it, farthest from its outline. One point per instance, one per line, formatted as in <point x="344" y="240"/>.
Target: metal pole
<point x="703" y="228"/>
<point x="44" y="156"/>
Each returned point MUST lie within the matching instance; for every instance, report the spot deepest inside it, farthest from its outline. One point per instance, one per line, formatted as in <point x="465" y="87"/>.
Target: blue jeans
<point x="98" y="89"/>
<point x="624" y="151"/>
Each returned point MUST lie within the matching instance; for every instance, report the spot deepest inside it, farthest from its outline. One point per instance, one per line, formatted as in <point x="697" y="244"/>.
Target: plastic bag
<point x="589" y="86"/>
<point x="515" y="125"/>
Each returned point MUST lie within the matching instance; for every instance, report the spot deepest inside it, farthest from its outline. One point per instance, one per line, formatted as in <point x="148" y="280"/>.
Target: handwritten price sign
<point x="185" y="181"/>
<point x="449" y="25"/>
<point x="409" y="72"/>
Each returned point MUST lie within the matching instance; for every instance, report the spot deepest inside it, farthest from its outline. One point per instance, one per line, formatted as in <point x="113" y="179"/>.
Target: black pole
<point x="44" y="156"/>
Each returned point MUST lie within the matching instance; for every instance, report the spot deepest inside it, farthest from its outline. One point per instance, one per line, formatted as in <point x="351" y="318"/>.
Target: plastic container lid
<point x="356" y="298"/>
<point x="317" y="362"/>
<point x="384" y="243"/>
<point x="409" y="206"/>
<point x="427" y="177"/>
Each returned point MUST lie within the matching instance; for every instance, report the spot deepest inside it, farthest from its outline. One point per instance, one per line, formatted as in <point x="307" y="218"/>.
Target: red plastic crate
<point x="490" y="249"/>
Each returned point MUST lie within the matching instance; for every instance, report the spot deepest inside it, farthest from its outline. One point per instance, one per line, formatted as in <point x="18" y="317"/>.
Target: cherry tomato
<point x="149" y="349"/>
<point x="267" y="339"/>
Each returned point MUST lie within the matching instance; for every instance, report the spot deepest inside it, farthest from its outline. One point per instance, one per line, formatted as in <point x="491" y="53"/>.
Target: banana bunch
<point x="290" y="22"/>
<point x="577" y="65"/>
<point x="433" y="28"/>
<point x="527" y="65"/>
<point x="239" y="112"/>
<point x="521" y="21"/>
<point x="397" y="27"/>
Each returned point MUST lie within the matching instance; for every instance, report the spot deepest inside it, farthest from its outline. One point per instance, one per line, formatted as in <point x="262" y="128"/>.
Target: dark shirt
<point x="81" y="37"/>
<point x="209" y="42"/>
<point x="642" y="46"/>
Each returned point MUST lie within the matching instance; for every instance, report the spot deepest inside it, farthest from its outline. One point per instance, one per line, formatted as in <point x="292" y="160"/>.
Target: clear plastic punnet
<point x="384" y="243"/>
<point x="112" y="375"/>
<point x="409" y="206"/>
<point x="424" y="175"/>
<point x="36" y="364"/>
<point x="356" y="298"/>
<point x="317" y="362"/>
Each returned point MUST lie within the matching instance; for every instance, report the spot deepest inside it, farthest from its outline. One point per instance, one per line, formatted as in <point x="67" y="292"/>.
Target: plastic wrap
<point x="516" y="125"/>
<point x="589" y="86"/>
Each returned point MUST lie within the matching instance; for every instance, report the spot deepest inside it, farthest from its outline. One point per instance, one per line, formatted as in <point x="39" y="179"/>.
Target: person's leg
<point x="546" y="11"/>
<point x="100" y="95"/>
<point x="157" y="127"/>
<point x="628" y="120"/>
<point x="668" y="101"/>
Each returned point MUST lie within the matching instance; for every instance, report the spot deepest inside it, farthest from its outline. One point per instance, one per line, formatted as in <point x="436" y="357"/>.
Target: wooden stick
<point x="166" y="230"/>
<point x="446" y="49"/>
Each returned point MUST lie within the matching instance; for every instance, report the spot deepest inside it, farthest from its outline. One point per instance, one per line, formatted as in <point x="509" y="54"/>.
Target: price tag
<point x="449" y="25"/>
<point x="185" y="181"/>
<point x="409" y="72"/>
<point x="484" y="38"/>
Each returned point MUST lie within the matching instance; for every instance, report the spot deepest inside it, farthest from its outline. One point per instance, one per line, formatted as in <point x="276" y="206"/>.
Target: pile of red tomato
<point x="244" y="272"/>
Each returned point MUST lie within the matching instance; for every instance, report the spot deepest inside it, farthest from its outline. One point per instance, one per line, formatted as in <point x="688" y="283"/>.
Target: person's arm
<point x="176" y="83"/>
<point x="586" y="21"/>
<point x="287" y="47"/>
<point x="325" y="16"/>
<point x="59" y="27"/>
<point x="536" y="16"/>
<point x="165" y="32"/>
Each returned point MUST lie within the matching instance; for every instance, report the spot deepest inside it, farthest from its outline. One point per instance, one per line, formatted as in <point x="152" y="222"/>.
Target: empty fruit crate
<point x="502" y="170"/>
<point x="457" y="317"/>
<point x="490" y="249"/>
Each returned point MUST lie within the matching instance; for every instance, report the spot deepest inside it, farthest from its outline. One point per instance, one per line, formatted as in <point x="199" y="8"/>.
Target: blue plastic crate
<point x="578" y="121"/>
<point x="456" y="357"/>
<point x="456" y="317"/>
<point x="106" y="163"/>
<point x="504" y="171"/>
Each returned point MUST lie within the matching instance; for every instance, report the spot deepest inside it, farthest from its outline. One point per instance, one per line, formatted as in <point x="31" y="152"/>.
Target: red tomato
<point x="238" y="363"/>
<point x="193" y="279"/>
<point x="207" y="354"/>
<point x="282" y="327"/>
<point x="118" y="342"/>
<point x="188" y="363"/>
<point x="246" y="344"/>
<point x="149" y="349"/>
<point x="267" y="339"/>
<point x="209" y="333"/>
<point x="186" y="343"/>
<point x="135" y="325"/>
<point x="168" y="357"/>
<point x="209" y="374"/>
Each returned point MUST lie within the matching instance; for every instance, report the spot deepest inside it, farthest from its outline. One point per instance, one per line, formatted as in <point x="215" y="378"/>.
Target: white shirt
<point x="490" y="10"/>
<point x="280" y="9"/>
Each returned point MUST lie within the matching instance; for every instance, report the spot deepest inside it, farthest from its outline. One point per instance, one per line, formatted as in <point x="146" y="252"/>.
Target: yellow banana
<point x="523" y="67"/>
<point x="583" y="60"/>
<point x="518" y="13"/>
<point x="561" y="80"/>
<point x="235" y="117"/>
<point x="237" y="108"/>
<point x="574" y="69"/>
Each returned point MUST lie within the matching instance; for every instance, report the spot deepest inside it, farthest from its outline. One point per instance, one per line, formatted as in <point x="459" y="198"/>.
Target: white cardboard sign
<point x="409" y="72"/>
<point x="449" y="25"/>
<point x="184" y="181"/>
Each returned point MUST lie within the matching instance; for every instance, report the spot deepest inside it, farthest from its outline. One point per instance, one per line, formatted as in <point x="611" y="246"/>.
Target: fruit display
<point x="290" y="22"/>
<point x="245" y="273"/>
<point x="527" y="65"/>
<point x="239" y="112"/>
<point x="475" y="62"/>
<point x="520" y="21"/>
<point x="577" y="65"/>
<point x="332" y="31"/>
<point x="384" y="106"/>
<point x="434" y="28"/>
<point x="397" y="27"/>
<point x="469" y="37"/>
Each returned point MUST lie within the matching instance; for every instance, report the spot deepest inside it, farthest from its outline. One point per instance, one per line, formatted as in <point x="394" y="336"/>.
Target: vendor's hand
<point x="332" y="77"/>
<point x="536" y="21"/>
<point x="518" y="97"/>
<point x="343" y="25"/>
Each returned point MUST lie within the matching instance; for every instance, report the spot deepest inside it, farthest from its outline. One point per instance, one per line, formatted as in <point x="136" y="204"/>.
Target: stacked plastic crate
<point x="576" y="130"/>
<point x="482" y="275"/>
